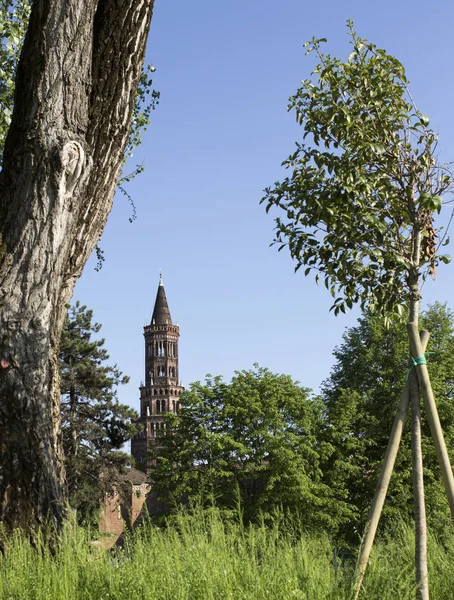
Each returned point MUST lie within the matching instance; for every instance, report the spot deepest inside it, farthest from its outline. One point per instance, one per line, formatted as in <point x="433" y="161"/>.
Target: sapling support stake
<point x="432" y="416"/>
<point x="422" y="576"/>
<point x="385" y="477"/>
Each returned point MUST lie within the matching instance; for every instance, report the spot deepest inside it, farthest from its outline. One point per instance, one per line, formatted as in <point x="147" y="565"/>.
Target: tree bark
<point x="75" y="87"/>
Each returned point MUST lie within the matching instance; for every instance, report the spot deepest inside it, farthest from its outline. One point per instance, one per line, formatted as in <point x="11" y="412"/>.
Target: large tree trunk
<point x="75" y="89"/>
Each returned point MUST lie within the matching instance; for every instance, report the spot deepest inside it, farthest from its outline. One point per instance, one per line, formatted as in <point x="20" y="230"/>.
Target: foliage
<point x="145" y="101"/>
<point x="361" y="397"/>
<point x="254" y="440"/>
<point x="13" y="25"/>
<point x="95" y="425"/>
<point x="365" y="183"/>
<point x="202" y="556"/>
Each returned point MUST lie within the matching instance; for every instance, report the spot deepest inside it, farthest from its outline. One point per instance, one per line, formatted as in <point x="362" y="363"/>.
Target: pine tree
<point x="95" y="426"/>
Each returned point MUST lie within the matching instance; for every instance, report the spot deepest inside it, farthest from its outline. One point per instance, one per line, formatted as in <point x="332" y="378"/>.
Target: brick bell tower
<point x="161" y="392"/>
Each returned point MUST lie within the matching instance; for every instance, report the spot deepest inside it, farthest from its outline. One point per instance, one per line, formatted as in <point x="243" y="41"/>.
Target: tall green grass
<point x="203" y="557"/>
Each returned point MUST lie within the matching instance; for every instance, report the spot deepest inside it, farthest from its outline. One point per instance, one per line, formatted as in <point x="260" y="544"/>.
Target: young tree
<point x="359" y="209"/>
<point x="95" y="426"/>
<point x="74" y="94"/>
<point x="257" y="434"/>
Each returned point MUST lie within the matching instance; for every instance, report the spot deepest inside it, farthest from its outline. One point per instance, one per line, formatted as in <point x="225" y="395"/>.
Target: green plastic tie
<point x="413" y="362"/>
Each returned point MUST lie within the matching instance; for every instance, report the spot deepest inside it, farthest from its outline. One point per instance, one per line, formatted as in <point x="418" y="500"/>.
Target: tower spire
<point x="161" y="312"/>
<point x="160" y="392"/>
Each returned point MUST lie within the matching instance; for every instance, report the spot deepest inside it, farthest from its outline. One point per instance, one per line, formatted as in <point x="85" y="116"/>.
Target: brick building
<point x="161" y="391"/>
<point x="159" y="394"/>
<point x="123" y="507"/>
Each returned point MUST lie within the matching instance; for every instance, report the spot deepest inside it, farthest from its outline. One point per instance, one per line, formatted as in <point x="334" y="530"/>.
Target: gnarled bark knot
<point x="75" y="166"/>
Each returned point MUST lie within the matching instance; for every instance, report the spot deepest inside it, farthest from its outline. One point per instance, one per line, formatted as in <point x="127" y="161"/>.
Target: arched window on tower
<point x="158" y="406"/>
<point x="163" y="405"/>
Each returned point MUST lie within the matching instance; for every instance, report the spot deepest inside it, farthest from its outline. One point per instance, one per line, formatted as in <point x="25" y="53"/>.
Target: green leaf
<point x="425" y="120"/>
<point x="437" y="202"/>
<point x="431" y="202"/>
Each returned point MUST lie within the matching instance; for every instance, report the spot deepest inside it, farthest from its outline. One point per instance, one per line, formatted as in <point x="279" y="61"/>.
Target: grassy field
<point x="204" y="559"/>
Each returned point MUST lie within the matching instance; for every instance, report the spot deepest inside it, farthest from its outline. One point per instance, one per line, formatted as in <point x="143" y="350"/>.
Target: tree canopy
<point x="255" y="441"/>
<point x="365" y="181"/>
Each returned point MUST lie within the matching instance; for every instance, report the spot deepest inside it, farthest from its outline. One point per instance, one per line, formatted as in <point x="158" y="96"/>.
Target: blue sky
<point x="217" y="139"/>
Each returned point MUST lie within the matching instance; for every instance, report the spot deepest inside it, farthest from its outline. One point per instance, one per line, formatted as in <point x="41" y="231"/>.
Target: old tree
<point x="75" y="87"/>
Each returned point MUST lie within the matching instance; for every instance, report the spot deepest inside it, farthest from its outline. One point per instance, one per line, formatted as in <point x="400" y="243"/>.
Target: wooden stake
<point x="432" y="415"/>
<point x="383" y="480"/>
<point x="422" y="577"/>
